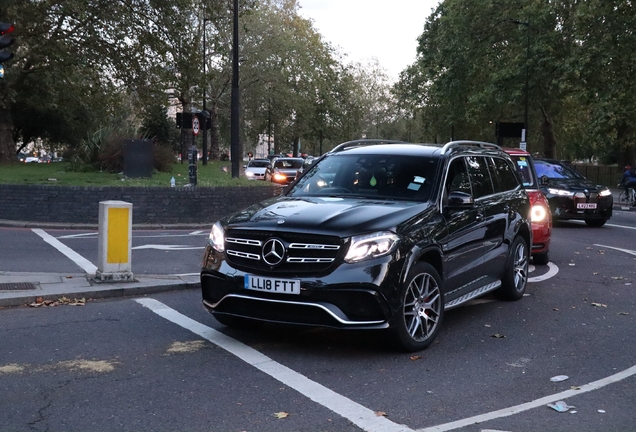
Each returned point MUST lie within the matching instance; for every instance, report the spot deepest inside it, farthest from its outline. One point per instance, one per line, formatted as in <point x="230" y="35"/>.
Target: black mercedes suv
<point x="375" y="235"/>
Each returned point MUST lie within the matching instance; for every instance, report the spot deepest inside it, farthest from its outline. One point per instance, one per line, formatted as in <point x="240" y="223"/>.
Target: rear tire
<point x="542" y="258"/>
<point x="515" y="278"/>
<point x="419" y="318"/>
<point x="595" y="223"/>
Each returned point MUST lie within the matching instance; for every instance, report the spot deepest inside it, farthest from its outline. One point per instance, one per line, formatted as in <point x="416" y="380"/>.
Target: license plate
<point x="585" y="205"/>
<point x="280" y="286"/>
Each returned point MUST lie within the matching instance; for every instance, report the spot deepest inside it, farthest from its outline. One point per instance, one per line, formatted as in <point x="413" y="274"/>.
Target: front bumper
<point x="354" y="296"/>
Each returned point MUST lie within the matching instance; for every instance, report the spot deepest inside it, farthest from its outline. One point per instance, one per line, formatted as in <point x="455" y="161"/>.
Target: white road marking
<point x="553" y="269"/>
<point x="362" y="417"/>
<point x="352" y="411"/>
<point x="194" y="233"/>
<point x="621" y="226"/>
<point x="631" y="252"/>
<point x="82" y="262"/>
<point x="533" y="404"/>
<point x="78" y="235"/>
<point x="167" y="247"/>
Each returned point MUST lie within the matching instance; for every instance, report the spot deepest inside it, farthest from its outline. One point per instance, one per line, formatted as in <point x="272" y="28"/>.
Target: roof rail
<point x="480" y="144"/>
<point x="362" y="143"/>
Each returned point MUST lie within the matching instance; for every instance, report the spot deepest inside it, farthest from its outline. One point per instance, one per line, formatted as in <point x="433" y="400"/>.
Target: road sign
<point x="196" y="126"/>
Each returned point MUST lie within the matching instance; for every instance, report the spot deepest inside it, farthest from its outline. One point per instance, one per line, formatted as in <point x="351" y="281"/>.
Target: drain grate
<point x="17" y="286"/>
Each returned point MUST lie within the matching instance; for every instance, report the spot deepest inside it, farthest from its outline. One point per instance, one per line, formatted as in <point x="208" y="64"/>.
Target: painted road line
<point x="631" y="252"/>
<point x="82" y="262"/>
<point x="362" y="417"/>
<point x="553" y="269"/>
<point x="168" y="247"/>
<point x="533" y="404"/>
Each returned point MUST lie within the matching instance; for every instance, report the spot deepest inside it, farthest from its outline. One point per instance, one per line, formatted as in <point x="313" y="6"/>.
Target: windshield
<point x="369" y="176"/>
<point x="288" y="163"/>
<point x="524" y="168"/>
<point x="555" y="170"/>
<point x="258" y="164"/>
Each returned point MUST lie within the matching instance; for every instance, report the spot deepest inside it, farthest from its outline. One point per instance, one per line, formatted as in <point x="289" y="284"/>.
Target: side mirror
<point x="544" y="180"/>
<point x="460" y="200"/>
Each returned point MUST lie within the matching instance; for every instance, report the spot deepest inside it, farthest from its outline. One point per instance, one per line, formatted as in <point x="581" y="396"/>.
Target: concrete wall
<point x="151" y="205"/>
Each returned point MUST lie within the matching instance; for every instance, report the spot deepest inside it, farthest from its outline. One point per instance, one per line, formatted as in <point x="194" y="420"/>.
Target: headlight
<point x="371" y="246"/>
<point x="605" y="192"/>
<point x="560" y="192"/>
<point x="217" y="239"/>
<point x="249" y="174"/>
<point x="280" y="177"/>
<point x="538" y="213"/>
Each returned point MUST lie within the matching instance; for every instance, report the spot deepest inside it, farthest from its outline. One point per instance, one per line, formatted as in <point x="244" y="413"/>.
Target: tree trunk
<point x="215" y="150"/>
<point x="7" y="144"/>
<point x="627" y="153"/>
<point x="549" y="141"/>
<point x="296" y="145"/>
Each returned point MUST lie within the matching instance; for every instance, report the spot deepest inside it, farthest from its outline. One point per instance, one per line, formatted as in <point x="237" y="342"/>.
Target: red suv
<point x="540" y="215"/>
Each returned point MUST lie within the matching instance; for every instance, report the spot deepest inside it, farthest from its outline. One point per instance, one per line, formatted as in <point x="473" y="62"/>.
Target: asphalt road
<point x="163" y="363"/>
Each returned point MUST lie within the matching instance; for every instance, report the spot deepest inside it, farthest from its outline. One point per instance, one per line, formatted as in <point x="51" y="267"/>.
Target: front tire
<point x="419" y="318"/>
<point x="595" y="223"/>
<point x="542" y="258"/>
<point x="515" y="278"/>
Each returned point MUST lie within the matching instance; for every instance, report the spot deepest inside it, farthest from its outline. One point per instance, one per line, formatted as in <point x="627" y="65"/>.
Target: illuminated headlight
<point x="280" y="177"/>
<point x="249" y="174"/>
<point x="321" y="183"/>
<point x="605" y="192"/>
<point x="538" y="213"/>
<point x="371" y="246"/>
<point x="217" y="240"/>
<point x="560" y="192"/>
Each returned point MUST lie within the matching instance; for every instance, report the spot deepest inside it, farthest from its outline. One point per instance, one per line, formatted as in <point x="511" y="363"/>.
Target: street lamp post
<point x="205" y="117"/>
<point x="524" y="135"/>
<point x="235" y="110"/>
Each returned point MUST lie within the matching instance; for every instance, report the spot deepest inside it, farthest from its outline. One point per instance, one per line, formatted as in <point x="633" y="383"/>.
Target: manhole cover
<point x="17" y="286"/>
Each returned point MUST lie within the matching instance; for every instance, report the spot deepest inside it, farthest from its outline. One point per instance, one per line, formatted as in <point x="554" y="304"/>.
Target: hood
<point x="574" y="185"/>
<point x="341" y="217"/>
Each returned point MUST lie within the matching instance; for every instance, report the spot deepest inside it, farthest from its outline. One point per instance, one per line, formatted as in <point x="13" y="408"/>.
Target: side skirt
<point x="472" y="295"/>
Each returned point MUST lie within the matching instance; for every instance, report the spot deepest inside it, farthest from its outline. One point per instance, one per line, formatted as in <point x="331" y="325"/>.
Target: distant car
<point x="255" y="169"/>
<point x="283" y="170"/>
<point x="30" y="159"/>
<point x="540" y="214"/>
<point x="571" y="195"/>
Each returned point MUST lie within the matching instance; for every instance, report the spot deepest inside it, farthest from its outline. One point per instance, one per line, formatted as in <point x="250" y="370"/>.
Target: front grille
<point x="304" y="253"/>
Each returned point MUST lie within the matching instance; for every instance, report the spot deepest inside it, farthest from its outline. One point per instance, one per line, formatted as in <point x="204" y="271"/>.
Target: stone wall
<point x="151" y="205"/>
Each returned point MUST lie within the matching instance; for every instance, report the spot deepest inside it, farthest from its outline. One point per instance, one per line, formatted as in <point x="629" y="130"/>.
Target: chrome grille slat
<point x="244" y="255"/>
<point x="248" y="242"/>
<point x="309" y="260"/>
<point x="313" y="246"/>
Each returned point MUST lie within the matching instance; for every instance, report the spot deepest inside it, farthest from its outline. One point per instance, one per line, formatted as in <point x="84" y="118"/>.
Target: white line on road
<point x="167" y="247"/>
<point x="533" y="404"/>
<point x="354" y="412"/>
<point x="631" y="252"/>
<point x="553" y="269"/>
<point x="82" y="262"/>
<point x="363" y="417"/>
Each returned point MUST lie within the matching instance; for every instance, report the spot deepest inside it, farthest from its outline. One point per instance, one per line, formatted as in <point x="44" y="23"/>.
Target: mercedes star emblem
<point x="273" y="252"/>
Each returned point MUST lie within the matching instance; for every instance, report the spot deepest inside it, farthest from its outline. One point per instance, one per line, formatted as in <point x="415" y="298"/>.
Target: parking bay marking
<point x="352" y="411"/>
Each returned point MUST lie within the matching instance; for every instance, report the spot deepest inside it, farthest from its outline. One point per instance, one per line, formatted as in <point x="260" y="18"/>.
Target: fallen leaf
<point x="599" y="305"/>
<point x="39" y="299"/>
<point x="601" y="252"/>
<point x="575" y="388"/>
<point x="281" y="415"/>
<point x="623" y="313"/>
<point x="416" y="357"/>
<point x="487" y="325"/>
<point x="498" y="336"/>
<point x="380" y="413"/>
<point x="572" y="264"/>
<point x="617" y="277"/>
<point x="555" y="309"/>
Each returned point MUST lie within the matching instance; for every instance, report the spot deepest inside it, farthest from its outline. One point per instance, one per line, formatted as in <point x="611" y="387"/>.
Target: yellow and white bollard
<point x="115" y="242"/>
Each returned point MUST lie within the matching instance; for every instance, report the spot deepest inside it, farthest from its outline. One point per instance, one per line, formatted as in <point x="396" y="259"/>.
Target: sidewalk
<point x="17" y="289"/>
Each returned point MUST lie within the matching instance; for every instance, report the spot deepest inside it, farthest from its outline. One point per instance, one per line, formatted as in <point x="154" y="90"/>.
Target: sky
<point x="363" y="29"/>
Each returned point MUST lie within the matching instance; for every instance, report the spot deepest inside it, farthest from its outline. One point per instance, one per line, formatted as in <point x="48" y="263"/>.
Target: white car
<point x="32" y="159"/>
<point x="255" y="169"/>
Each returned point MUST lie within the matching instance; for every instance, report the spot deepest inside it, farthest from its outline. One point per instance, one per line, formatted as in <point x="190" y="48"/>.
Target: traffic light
<point x="5" y="41"/>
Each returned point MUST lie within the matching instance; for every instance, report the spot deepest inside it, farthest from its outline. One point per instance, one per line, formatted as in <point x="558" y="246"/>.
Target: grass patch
<point x="57" y="173"/>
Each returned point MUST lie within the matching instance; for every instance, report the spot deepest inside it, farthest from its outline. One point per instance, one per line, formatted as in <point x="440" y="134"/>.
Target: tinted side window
<point x="505" y="175"/>
<point x="457" y="180"/>
<point x="479" y="176"/>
